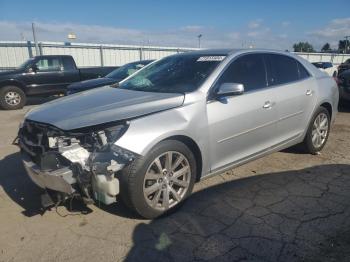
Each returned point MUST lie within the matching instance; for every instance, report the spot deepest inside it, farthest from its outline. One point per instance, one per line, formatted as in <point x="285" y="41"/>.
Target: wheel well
<point x="192" y="145"/>
<point x="13" y="83"/>
<point x="329" y="108"/>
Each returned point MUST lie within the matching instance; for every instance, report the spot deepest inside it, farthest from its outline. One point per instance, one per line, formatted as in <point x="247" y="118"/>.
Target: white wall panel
<point x="13" y="54"/>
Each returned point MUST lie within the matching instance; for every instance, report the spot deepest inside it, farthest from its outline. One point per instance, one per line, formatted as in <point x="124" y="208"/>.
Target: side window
<point x="49" y="64"/>
<point x="68" y="64"/>
<point x="248" y="70"/>
<point x="284" y="69"/>
<point x="303" y="73"/>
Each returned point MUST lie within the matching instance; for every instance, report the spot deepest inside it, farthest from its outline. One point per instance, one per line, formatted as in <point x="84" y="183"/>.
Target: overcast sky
<point x="264" y="24"/>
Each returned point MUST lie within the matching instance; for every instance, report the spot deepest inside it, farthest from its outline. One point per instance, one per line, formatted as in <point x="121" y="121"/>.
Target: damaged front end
<point x="83" y="162"/>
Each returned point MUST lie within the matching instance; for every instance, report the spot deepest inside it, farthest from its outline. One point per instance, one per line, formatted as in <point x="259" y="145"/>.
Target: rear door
<point x="295" y="94"/>
<point x="244" y="125"/>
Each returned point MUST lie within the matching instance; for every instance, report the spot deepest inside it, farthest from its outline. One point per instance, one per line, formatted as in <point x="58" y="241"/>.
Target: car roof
<point x="233" y="51"/>
<point x="144" y="62"/>
<point x="53" y="56"/>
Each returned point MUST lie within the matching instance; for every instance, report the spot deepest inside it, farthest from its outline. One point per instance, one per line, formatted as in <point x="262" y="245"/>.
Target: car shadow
<point x="296" y="215"/>
<point x="19" y="187"/>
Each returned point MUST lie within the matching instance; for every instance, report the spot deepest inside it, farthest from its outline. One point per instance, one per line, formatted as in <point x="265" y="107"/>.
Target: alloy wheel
<point x="319" y="130"/>
<point x="12" y="98"/>
<point x="167" y="180"/>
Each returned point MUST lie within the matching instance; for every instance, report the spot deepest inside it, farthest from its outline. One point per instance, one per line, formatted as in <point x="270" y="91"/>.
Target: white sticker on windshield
<point x="210" y="58"/>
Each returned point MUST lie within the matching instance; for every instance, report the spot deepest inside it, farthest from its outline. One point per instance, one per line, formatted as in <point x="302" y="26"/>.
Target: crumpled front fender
<point x="189" y="121"/>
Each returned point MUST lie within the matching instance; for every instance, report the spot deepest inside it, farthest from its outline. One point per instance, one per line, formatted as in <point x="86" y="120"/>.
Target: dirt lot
<point x="289" y="206"/>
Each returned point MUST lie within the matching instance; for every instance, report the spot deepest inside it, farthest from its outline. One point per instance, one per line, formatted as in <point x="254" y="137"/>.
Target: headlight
<point x="110" y="134"/>
<point x="115" y="132"/>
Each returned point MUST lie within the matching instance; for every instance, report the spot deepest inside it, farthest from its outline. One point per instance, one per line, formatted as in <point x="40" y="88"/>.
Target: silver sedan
<point x="176" y="121"/>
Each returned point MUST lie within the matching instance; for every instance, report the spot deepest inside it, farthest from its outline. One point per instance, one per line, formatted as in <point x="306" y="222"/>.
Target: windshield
<point x="126" y="70"/>
<point x="26" y="63"/>
<point x="174" y="74"/>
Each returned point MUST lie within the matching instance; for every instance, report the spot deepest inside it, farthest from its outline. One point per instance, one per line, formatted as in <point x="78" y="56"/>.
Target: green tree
<point x="303" y="47"/>
<point x="326" y="48"/>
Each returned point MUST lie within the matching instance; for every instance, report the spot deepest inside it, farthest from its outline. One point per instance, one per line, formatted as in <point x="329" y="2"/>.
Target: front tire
<point x="12" y="97"/>
<point x="160" y="181"/>
<point x="318" y="131"/>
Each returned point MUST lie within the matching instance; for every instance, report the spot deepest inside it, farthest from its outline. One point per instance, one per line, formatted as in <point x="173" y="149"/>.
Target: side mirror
<point x="230" y="89"/>
<point x="33" y="68"/>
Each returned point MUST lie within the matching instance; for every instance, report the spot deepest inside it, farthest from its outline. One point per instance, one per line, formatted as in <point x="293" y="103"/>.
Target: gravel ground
<point x="288" y="206"/>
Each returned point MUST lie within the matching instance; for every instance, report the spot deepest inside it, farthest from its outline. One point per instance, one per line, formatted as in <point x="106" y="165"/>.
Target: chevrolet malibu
<point x="178" y="120"/>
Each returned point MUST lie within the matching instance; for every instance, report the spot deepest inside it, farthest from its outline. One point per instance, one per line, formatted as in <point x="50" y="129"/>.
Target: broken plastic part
<point x="76" y="154"/>
<point x="102" y="137"/>
<point x="114" y="166"/>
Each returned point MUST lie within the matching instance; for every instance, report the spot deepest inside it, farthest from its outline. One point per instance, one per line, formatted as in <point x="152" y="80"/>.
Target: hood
<point x="92" y="83"/>
<point x="101" y="106"/>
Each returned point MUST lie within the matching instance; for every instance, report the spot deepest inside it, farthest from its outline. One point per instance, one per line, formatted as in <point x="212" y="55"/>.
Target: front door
<point x="242" y="126"/>
<point x="47" y="76"/>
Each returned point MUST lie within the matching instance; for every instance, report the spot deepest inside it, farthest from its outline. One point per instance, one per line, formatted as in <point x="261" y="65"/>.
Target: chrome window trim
<point x="235" y="57"/>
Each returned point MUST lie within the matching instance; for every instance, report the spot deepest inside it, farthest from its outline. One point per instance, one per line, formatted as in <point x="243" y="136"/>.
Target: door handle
<point x="267" y="105"/>
<point x="309" y="92"/>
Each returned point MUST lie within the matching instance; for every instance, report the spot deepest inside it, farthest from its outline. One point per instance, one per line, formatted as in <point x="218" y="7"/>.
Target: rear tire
<point x="318" y="131"/>
<point x="12" y="97"/>
<point x="152" y="186"/>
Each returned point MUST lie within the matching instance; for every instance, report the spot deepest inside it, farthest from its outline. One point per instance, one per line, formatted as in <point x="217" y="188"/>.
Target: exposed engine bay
<point x="83" y="162"/>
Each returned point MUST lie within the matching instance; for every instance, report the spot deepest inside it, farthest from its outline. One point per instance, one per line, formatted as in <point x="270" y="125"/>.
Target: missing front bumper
<point x="68" y="180"/>
<point x="60" y="180"/>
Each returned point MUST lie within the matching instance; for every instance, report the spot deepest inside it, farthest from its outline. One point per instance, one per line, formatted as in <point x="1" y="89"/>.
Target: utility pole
<point x="35" y="40"/>
<point x="346" y="43"/>
<point x="199" y="40"/>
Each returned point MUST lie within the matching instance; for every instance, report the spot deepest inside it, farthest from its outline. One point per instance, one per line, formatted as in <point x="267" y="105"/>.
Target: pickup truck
<point x="43" y="76"/>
